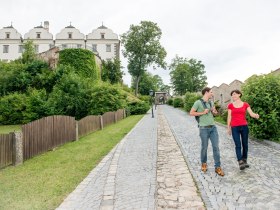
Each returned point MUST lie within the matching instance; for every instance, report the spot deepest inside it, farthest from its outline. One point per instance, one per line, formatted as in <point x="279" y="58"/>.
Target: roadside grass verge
<point x="9" y="128"/>
<point x="221" y="120"/>
<point x="44" y="181"/>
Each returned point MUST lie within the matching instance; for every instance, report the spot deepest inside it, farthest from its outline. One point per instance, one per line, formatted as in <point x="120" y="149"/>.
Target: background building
<point x="11" y="44"/>
<point x="102" y="41"/>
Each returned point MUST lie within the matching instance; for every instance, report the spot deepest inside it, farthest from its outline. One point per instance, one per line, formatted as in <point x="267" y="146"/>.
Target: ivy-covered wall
<point x="82" y="61"/>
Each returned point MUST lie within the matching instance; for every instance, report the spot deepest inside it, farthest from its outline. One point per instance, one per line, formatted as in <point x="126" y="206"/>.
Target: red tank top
<point x="238" y="115"/>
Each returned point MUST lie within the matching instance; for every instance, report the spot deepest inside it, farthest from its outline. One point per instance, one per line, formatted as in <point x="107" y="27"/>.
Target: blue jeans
<point x="205" y="134"/>
<point x="243" y="131"/>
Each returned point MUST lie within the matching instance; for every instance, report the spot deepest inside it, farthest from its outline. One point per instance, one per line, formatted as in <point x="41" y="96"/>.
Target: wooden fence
<point x="6" y="149"/>
<point x="108" y="118"/>
<point x="89" y="124"/>
<point x="47" y="133"/>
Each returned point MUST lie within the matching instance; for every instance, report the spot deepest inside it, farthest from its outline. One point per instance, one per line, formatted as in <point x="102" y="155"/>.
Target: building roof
<point x="102" y="27"/>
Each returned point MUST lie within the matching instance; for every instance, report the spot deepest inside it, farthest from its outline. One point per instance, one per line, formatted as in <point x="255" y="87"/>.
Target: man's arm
<point x="193" y="112"/>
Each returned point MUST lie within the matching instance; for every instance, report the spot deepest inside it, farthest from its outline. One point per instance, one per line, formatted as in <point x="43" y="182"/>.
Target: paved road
<point x="144" y="171"/>
<point x="255" y="188"/>
<point x="126" y="178"/>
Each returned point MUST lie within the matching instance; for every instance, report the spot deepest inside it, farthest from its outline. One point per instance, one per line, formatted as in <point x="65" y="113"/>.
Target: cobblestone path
<point x="175" y="186"/>
<point x="257" y="187"/>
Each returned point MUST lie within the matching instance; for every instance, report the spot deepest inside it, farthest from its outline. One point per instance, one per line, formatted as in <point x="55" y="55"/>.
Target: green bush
<point x="262" y="94"/>
<point x="138" y="107"/>
<point x="36" y="105"/>
<point x="190" y="98"/>
<point x="178" y="102"/>
<point x="107" y="98"/>
<point x="12" y="107"/>
<point x="72" y="96"/>
<point x="145" y="98"/>
<point x="170" y="102"/>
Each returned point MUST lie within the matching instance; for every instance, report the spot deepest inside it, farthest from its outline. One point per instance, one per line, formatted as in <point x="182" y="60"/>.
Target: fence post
<point x="17" y="148"/>
<point x="124" y="114"/>
<point x="101" y="122"/>
<point x="77" y="130"/>
<point x="115" y="117"/>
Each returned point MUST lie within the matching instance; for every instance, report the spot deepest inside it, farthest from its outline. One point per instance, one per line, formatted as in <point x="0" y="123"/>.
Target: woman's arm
<point x="252" y="114"/>
<point x="228" y="122"/>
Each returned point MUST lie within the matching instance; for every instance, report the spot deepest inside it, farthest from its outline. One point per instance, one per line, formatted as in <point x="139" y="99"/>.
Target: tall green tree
<point x="142" y="48"/>
<point x="148" y="82"/>
<point x="29" y="54"/>
<point x="112" y="71"/>
<point x="187" y="75"/>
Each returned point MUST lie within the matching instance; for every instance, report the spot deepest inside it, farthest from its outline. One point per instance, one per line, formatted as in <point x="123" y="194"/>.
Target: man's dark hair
<point x="206" y="89"/>
<point x="236" y="91"/>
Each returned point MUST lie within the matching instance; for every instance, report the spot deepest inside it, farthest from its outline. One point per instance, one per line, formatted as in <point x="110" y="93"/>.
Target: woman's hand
<point x="229" y="131"/>
<point x="256" y="116"/>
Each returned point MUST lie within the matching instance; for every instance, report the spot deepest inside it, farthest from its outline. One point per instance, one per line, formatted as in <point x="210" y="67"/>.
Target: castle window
<point x="94" y="48"/>
<point x="7" y="35"/>
<point x="108" y="48"/>
<point x="69" y="35"/>
<point x="102" y="36"/>
<point x="20" y="48"/>
<point x="5" y="48"/>
<point x="36" y="47"/>
<point x="38" y="35"/>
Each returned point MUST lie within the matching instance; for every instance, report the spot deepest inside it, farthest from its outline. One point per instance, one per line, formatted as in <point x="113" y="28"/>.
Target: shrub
<point x="262" y="93"/>
<point x="12" y="107"/>
<point x="139" y="107"/>
<point x="106" y="98"/>
<point x="170" y="102"/>
<point x="72" y="96"/>
<point x="178" y="102"/>
<point x="145" y="98"/>
<point x="36" y="105"/>
<point x="190" y="98"/>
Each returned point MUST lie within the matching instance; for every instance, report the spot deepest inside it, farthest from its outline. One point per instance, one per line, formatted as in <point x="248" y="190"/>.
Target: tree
<point x="142" y="48"/>
<point x="111" y="71"/>
<point x="29" y="54"/>
<point x="187" y="75"/>
<point x="148" y="82"/>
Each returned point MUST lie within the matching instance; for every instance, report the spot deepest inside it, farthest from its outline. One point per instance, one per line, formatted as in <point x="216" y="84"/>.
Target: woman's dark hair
<point x="206" y="89"/>
<point x="236" y="91"/>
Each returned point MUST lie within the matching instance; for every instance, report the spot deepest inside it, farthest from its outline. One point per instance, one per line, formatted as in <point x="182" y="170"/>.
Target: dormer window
<point x="7" y="35"/>
<point x="38" y="35"/>
<point x="102" y="36"/>
<point x="69" y="35"/>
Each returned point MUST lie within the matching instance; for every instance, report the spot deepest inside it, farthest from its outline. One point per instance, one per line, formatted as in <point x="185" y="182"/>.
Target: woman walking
<point x="238" y="126"/>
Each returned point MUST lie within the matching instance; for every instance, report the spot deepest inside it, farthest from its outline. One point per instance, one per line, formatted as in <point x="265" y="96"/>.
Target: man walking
<point x="204" y="109"/>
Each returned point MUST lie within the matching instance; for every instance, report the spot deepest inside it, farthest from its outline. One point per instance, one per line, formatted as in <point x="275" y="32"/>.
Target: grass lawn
<point x="9" y="128"/>
<point x="44" y="181"/>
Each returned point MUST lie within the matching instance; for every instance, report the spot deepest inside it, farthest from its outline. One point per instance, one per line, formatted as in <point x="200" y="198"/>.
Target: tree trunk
<point x="136" y="85"/>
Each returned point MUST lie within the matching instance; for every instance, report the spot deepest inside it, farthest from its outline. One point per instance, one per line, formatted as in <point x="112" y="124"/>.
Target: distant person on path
<point x="238" y="127"/>
<point x="207" y="129"/>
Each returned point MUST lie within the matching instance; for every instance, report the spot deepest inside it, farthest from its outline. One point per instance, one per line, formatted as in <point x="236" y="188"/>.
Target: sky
<point x="233" y="39"/>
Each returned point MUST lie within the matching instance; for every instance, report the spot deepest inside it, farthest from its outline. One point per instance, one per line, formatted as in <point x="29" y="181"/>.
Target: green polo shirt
<point x="206" y="119"/>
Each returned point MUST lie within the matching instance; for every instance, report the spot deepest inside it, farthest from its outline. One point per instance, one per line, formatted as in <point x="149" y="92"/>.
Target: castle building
<point x="102" y="41"/>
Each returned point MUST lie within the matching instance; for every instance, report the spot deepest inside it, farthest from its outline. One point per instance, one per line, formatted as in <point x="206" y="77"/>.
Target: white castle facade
<point x="102" y="41"/>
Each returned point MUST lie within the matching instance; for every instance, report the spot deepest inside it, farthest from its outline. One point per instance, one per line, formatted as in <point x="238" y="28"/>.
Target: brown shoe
<point x="204" y="167"/>
<point x="219" y="171"/>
